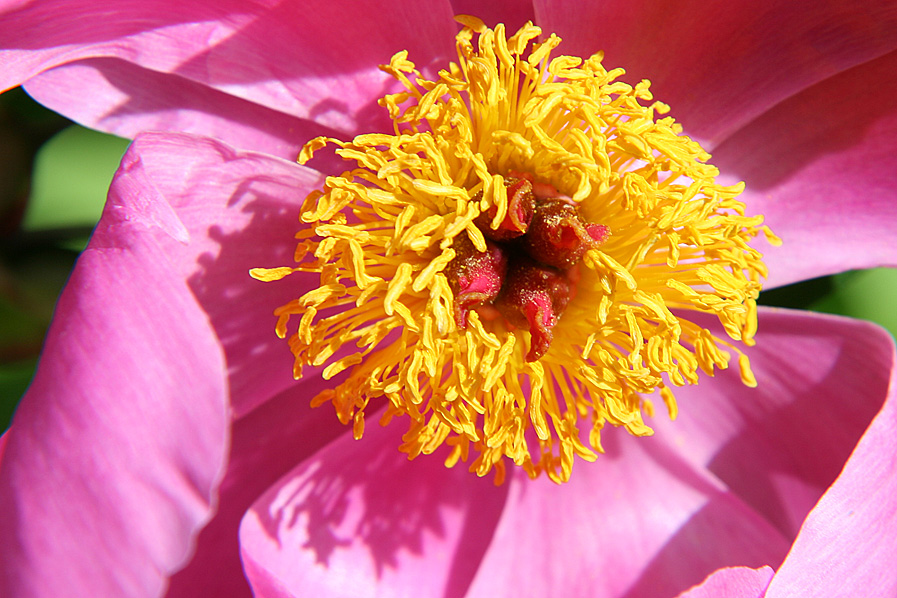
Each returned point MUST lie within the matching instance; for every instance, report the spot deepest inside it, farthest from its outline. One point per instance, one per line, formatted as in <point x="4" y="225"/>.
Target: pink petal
<point x="822" y="168"/>
<point x="719" y="65"/>
<point x="779" y="446"/>
<point x="733" y="582"/>
<point x="167" y="102"/>
<point x="639" y="522"/>
<point x="265" y="444"/>
<point x="846" y="546"/>
<point x="286" y="56"/>
<point x="240" y="211"/>
<point x="111" y="463"/>
<point x="359" y="519"/>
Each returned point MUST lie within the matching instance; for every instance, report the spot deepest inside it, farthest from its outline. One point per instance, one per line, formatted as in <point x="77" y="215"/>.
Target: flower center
<point x="514" y="267"/>
<point x="529" y="268"/>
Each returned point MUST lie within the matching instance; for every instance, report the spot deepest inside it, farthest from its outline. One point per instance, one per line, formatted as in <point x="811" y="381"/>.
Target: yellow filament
<point x="382" y="233"/>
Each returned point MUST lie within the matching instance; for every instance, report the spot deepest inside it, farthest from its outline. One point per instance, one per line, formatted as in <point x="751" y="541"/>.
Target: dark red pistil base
<point x="534" y="296"/>
<point x="528" y="269"/>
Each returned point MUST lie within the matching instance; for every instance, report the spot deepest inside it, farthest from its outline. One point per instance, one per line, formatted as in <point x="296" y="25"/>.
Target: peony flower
<point x="164" y="447"/>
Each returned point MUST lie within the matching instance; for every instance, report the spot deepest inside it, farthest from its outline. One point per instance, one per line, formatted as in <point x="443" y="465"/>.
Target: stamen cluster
<point x="447" y="255"/>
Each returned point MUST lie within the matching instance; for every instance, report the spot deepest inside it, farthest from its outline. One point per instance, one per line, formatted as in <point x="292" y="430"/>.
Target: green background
<point x="53" y="181"/>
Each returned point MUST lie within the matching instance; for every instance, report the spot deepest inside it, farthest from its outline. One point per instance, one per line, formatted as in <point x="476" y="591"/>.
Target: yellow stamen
<point x="381" y="236"/>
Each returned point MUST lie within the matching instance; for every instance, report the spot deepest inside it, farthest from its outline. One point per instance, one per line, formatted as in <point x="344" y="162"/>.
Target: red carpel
<point x="527" y="273"/>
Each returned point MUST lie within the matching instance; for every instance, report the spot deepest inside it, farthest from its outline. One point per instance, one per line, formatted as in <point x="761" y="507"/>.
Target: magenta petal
<point x="639" y="522"/>
<point x="733" y="582"/>
<point x="359" y="519"/>
<point x="719" y="65"/>
<point x="820" y="381"/>
<point x="240" y="211"/>
<point x="112" y="460"/>
<point x="847" y="545"/>
<point x="822" y="168"/>
<point x="286" y="56"/>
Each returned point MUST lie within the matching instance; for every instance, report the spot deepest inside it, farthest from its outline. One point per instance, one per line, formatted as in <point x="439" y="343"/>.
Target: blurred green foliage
<point x="71" y="175"/>
<point x="865" y="294"/>
<point x="53" y="181"/>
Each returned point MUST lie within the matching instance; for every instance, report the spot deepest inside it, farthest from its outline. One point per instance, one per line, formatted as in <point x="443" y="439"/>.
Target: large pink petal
<point x="114" y="454"/>
<point x="846" y="546"/>
<point x="240" y="210"/>
<point x="286" y="56"/>
<point x="265" y="444"/>
<point x="721" y="64"/>
<point x="779" y="446"/>
<point x="359" y="519"/>
<point x="639" y="522"/>
<point x="229" y="211"/>
<point x="822" y="168"/>
<point x="733" y="582"/>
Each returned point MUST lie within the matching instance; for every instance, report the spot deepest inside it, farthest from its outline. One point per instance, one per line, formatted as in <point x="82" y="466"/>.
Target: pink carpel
<point x="474" y="276"/>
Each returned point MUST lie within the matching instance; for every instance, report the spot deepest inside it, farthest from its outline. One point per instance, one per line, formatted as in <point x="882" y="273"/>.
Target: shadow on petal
<point x="781" y="445"/>
<point x="640" y="522"/>
<point x="362" y="508"/>
<point x="240" y="211"/>
<point x="823" y="120"/>
<point x="725" y="532"/>
<point x="266" y="444"/>
<point x="821" y="168"/>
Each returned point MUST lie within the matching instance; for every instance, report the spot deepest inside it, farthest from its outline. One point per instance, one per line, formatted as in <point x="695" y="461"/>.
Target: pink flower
<point x="164" y="447"/>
